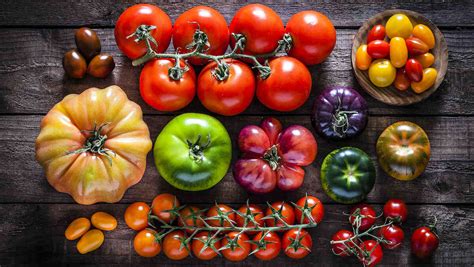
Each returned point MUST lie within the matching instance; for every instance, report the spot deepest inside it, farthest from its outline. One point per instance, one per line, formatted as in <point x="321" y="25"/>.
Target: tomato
<point x="428" y="80"/>
<point x="426" y="59"/>
<point x="191" y="216"/>
<point x="371" y="253"/>
<point x="398" y="52"/>
<point x="424" y="242"/>
<point x="261" y="27"/>
<point x="382" y="73"/>
<point x="136" y="216"/>
<point x="161" y="205"/>
<point x="131" y="19"/>
<point x="362" y="216"/>
<point x="401" y="82"/>
<point x="104" y="221"/>
<point x="313" y="36"/>
<point x="87" y="42"/>
<point x="297" y="243"/>
<point x="236" y="246"/>
<point x="230" y="96"/>
<point x="376" y="33"/>
<point x="268" y="248"/>
<point x="393" y="235"/>
<point x="77" y="228"/>
<point x="146" y="243"/>
<point x="395" y="209"/>
<point x="339" y="248"/>
<point x="311" y="207"/>
<point x="101" y="65"/>
<point x="219" y="212"/>
<point x="363" y="58"/>
<point x="174" y="247"/>
<point x="74" y="64"/>
<point x="416" y="46"/>
<point x="93" y="146"/>
<point x="403" y="150"/>
<point x="90" y="241"/>
<point x="204" y="246"/>
<point x="281" y="210"/>
<point x="378" y="49"/>
<point x="162" y="92"/>
<point x="399" y="25"/>
<point x="414" y="70"/>
<point x="247" y="211"/>
<point x="288" y="86"/>
<point x="425" y="34"/>
<point x="206" y="19"/>
<point x="193" y="152"/>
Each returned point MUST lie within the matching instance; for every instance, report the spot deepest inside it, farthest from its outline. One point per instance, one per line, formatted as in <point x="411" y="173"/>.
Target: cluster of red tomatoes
<point x="313" y="37"/>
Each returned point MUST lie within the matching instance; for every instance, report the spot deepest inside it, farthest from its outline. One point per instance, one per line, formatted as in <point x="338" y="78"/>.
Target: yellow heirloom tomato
<point x="93" y="146"/>
<point x="91" y="241"/>
<point x="363" y="59"/>
<point x="425" y="34"/>
<point x="429" y="78"/>
<point x="399" y="25"/>
<point x="77" y="228"/>
<point x="382" y="73"/>
<point x="398" y="52"/>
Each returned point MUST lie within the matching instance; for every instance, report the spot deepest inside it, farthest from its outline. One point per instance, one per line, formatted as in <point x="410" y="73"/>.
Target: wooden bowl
<point x="390" y="95"/>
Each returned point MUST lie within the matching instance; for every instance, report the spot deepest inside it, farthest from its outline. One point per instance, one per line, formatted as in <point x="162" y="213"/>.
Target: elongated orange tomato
<point x="104" y="221"/>
<point x="428" y="79"/>
<point x="93" y="146"/>
<point x="90" y="241"/>
<point x="363" y="59"/>
<point x="426" y="59"/>
<point x="77" y="228"/>
<point x="398" y="52"/>
<point x="425" y="34"/>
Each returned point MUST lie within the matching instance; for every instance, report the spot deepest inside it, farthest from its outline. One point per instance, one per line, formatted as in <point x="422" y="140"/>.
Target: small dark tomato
<point x="74" y="64"/>
<point x="87" y="42"/>
<point x="101" y="65"/>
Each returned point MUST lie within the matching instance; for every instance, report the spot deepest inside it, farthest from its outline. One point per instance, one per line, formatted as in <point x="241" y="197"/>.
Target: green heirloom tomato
<point x="193" y="152"/>
<point x="347" y="175"/>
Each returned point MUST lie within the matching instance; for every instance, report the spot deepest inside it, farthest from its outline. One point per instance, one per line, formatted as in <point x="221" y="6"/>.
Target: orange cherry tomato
<point x="363" y="59"/>
<point x="425" y="34"/>
<point x="398" y="52"/>
<point x="376" y="33"/>
<point x="426" y="60"/>
<point x="200" y="240"/>
<point x="401" y="80"/>
<point x="136" y="216"/>
<point x="190" y="216"/>
<point x="77" y="228"/>
<point x="416" y="46"/>
<point x="172" y="246"/>
<point x="239" y="247"/>
<point x="104" y="221"/>
<point x="146" y="243"/>
<point x="429" y="78"/>
<point x="222" y="209"/>
<point x="163" y="202"/>
<point x="90" y="241"/>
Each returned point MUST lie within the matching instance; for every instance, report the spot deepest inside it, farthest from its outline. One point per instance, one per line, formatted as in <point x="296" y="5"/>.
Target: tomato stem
<point x="196" y="149"/>
<point x="95" y="143"/>
<point x="340" y="122"/>
<point x="272" y="157"/>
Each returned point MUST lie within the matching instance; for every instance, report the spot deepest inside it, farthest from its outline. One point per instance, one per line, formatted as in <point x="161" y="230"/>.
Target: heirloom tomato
<point x="309" y="207"/>
<point x="376" y="33"/>
<point x="414" y="70"/>
<point x="162" y="204"/>
<point x="297" y="243"/>
<point x="378" y="49"/>
<point x="90" y="241"/>
<point x="403" y="150"/>
<point x="268" y="248"/>
<point x="382" y="73"/>
<point x="93" y="146"/>
<point x="425" y="34"/>
<point x="77" y="228"/>
<point x="428" y="79"/>
<point x="281" y="210"/>
<point x="341" y="249"/>
<point x="146" y="243"/>
<point x="103" y="221"/>
<point x="136" y="16"/>
<point x="174" y="246"/>
<point x="363" y="58"/>
<point x="371" y="253"/>
<point x="393" y="235"/>
<point x="395" y="209"/>
<point x="136" y="216"/>
<point x="204" y="247"/>
<point x="236" y="246"/>
<point x="362" y="216"/>
<point x="416" y="46"/>
<point x="401" y="80"/>
<point x="399" y="25"/>
<point x="426" y="59"/>
<point x="193" y="152"/>
<point x="424" y="241"/>
<point x="398" y="52"/>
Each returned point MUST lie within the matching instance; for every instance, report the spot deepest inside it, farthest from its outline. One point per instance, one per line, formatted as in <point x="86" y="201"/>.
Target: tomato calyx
<point x="209" y="242"/>
<point x="272" y="157"/>
<point x="296" y="243"/>
<point x="196" y="148"/>
<point x="222" y="216"/>
<point x="249" y="216"/>
<point x="306" y="211"/>
<point x="261" y="243"/>
<point x="277" y="214"/>
<point x="232" y="244"/>
<point x="143" y="32"/>
<point x="95" y="143"/>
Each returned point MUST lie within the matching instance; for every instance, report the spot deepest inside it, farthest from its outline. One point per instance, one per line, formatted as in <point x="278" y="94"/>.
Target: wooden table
<point x="34" y="37"/>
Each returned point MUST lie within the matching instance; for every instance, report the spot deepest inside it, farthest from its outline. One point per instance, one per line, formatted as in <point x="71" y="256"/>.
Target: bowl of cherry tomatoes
<point x="399" y="57"/>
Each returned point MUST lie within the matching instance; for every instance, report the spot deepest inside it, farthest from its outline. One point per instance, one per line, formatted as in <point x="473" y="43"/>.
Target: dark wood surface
<point x="34" y="36"/>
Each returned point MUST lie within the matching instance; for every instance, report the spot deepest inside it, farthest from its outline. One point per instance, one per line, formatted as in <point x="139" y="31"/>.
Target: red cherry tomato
<point x="248" y="211"/>
<point x="131" y="19"/>
<point x="395" y="209"/>
<point x="424" y="242"/>
<point x="376" y="33"/>
<point x="378" y="49"/>
<point x="339" y="248"/>
<point x="269" y="248"/>
<point x="314" y="206"/>
<point x="297" y="243"/>
<point x="367" y="216"/>
<point x="416" y="46"/>
<point x="371" y="254"/>
<point x="401" y="82"/>
<point x="285" y="211"/>
<point x="199" y="242"/>
<point x="237" y="246"/>
<point x="393" y="234"/>
<point x="313" y="36"/>
<point x="414" y="70"/>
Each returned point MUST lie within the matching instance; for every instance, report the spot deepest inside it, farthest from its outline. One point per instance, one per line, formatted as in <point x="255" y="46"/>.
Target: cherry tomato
<point x="101" y="65"/>
<point x="401" y="82"/>
<point x="378" y="49"/>
<point x="222" y="209"/>
<point x="424" y="242"/>
<point x="230" y="96"/>
<point x="204" y="247"/>
<point x="238" y="246"/>
<point x="190" y="216"/>
<point x="398" y="25"/>
<point x="363" y="58"/>
<point x="136" y="216"/>
<point x="414" y="70"/>
<point x="131" y="19"/>
<point x="172" y="245"/>
<point x="367" y="216"/>
<point x="416" y="46"/>
<point x="260" y="25"/>
<point x="425" y="34"/>
<point x="339" y="248"/>
<point x="398" y="52"/>
<point x="269" y="248"/>
<point x="297" y="243"/>
<point x="393" y="234"/>
<point x="250" y="210"/>
<point x="313" y="36"/>
<point x="74" y="64"/>
<point x="372" y="253"/>
<point x="104" y="221"/>
<point x="288" y="86"/>
<point x="208" y="20"/>
<point x="382" y="73"/>
<point x="285" y="211"/>
<point x="426" y="59"/>
<point x="395" y="209"/>
<point x="315" y="209"/>
<point x="163" y="202"/>
<point x="376" y="33"/>
<point x="429" y="78"/>
<point x="90" y="241"/>
<point x="162" y="92"/>
<point x="146" y="243"/>
<point x="77" y="228"/>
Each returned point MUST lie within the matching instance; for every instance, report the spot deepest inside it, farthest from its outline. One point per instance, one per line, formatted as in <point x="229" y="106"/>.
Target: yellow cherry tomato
<point x="77" y="228"/>
<point x="104" y="221"/>
<point x="382" y="73"/>
<point x="426" y="59"/>
<point x="90" y="241"/>
<point x="399" y="25"/>
<point x="363" y="59"/>
<point x="429" y="78"/>
<point x="398" y="52"/>
<point x="425" y="34"/>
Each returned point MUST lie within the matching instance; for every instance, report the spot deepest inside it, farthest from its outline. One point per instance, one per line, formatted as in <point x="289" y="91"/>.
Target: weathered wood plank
<point x="106" y="12"/>
<point x="35" y="233"/>
<point x="31" y="72"/>
<point x="448" y="178"/>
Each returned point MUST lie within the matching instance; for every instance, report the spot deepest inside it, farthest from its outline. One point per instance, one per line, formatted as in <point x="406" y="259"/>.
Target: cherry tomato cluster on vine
<point x="221" y="230"/>
<point x="405" y="61"/>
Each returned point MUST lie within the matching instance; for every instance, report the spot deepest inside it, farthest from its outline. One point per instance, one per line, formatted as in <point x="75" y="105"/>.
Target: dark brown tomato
<point x="87" y="43"/>
<point x="74" y="64"/>
<point x="101" y="65"/>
